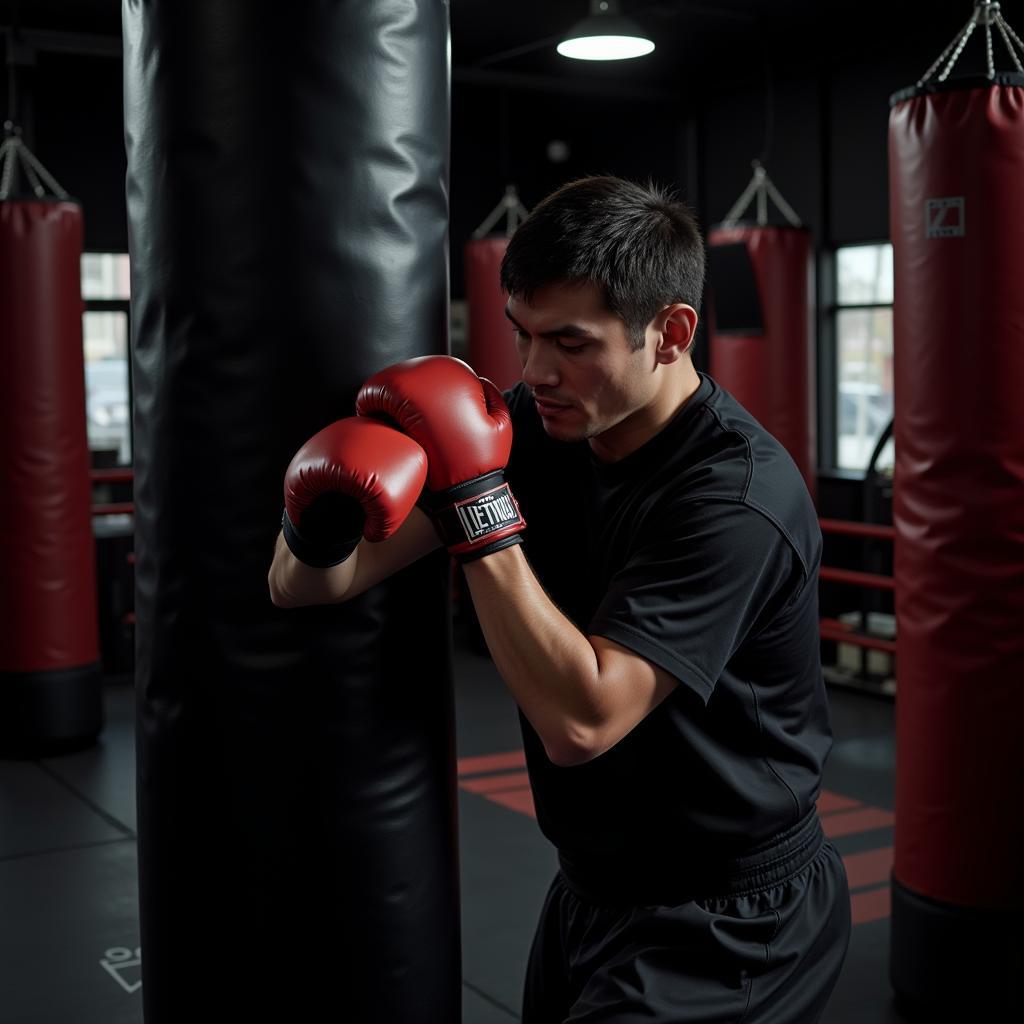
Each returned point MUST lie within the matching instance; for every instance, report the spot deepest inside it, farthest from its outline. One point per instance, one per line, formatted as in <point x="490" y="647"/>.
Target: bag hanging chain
<point x="510" y="207"/>
<point x="14" y="153"/>
<point x="987" y="14"/>
<point x="760" y="188"/>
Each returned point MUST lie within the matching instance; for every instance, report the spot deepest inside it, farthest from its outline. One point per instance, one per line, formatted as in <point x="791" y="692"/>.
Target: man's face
<point x="577" y="360"/>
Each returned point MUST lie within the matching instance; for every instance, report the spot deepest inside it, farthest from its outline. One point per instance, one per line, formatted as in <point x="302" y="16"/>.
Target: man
<point x="658" y="629"/>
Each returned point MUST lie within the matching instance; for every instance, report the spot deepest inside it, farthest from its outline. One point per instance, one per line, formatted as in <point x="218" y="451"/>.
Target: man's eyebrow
<point x="565" y="331"/>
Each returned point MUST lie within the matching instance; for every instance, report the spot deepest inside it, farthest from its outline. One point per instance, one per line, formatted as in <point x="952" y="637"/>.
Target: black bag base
<point x="48" y="713"/>
<point x="946" y="959"/>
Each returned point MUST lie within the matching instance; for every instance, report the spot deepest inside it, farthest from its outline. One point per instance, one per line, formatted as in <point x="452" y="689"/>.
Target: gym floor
<point x="69" y="939"/>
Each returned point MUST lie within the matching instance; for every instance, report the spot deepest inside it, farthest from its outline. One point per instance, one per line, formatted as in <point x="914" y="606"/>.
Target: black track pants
<point x="763" y="953"/>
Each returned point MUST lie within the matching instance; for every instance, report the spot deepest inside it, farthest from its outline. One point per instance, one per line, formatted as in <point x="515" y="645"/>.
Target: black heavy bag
<point x="287" y="201"/>
<point x="50" y="677"/>
<point x="956" y="159"/>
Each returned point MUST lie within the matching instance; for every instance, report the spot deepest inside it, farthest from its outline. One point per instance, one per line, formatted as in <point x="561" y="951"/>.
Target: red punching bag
<point x="50" y="678"/>
<point x="956" y="163"/>
<point x="492" y="352"/>
<point x="760" y="335"/>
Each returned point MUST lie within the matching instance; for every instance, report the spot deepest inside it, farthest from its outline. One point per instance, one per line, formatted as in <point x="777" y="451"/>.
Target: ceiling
<point x="700" y="42"/>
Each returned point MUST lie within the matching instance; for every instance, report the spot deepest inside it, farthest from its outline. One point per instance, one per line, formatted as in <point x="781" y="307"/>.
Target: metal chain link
<point x="7" y="157"/>
<point x="760" y="188"/>
<point x="942" y="56"/>
<point x="960" y="49"/>
<point x="987" y="13"/>
<point x="39" y="178"/>
<point x="33" y="180"/>
<point x="29" y="158"/>
<point x="1007" y="32"/>
<point x="511" y="207"/>
<point x="1005" y="25"/>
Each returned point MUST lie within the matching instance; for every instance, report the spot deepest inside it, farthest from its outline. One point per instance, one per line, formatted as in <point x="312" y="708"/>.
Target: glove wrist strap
<point x="477" y="517"/>
<point x="319" y="554"/>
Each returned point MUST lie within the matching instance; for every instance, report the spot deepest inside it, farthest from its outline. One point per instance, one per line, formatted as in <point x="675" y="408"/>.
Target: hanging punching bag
<point x="760" y="336"/>
<point x="956" y="163"/>
<point x="50" y="676"/>
<point x="492" y="351"/>
<point x="287" y="201"/>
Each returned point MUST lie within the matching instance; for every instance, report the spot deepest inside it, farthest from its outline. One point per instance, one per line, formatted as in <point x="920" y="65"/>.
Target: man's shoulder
<point x="745" y="464"/>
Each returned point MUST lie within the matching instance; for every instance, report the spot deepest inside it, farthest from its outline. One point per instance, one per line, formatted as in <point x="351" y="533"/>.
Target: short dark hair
<point x="637" y="243"/>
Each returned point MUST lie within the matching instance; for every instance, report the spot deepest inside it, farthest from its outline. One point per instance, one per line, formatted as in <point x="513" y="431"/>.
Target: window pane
<point x="106" y="384"/>
<point x="865" y="382"/>
<point x="105" y="275"/>
<point x="864" y="274"/>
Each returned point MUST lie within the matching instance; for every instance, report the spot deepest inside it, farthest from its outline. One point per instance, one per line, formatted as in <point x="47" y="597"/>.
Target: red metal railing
<point x="877" y="531"/>
<point x="841" y="632"/>
<point x="831" y="629"/>
<point x="857" y="579"/>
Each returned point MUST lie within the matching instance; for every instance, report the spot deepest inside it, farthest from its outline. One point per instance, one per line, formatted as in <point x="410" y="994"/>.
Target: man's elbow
<point x="279" y="597"/>
<point x="575" y="745"/>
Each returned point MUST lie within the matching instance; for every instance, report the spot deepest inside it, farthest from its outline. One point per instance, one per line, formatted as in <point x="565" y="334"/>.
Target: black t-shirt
<point x="699" y="551"/>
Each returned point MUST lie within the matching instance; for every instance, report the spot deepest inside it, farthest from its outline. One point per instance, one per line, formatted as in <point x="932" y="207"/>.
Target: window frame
<point x="829" y="308"/>
<point x="115" y="306"/>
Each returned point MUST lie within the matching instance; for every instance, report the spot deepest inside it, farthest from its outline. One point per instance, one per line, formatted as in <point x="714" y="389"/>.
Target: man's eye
<point x="571" y="349"/>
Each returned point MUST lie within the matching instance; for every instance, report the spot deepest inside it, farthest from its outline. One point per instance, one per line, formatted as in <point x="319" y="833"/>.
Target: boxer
<point x="643" y="561"/>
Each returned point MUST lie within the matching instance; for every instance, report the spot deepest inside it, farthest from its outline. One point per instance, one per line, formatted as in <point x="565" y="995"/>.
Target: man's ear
<point x="676" y="325"/>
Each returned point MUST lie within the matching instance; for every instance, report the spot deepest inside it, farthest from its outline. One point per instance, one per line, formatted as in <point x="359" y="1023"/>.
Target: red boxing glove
<point x="464" y="426"/>
<point x="354" y="479"/>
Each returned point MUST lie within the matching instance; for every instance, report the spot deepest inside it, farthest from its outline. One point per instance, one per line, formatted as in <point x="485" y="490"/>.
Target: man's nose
<point x="539" y="367"/>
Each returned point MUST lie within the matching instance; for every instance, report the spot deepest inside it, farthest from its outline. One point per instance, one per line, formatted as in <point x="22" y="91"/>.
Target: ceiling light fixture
<point x="605" y="35"/>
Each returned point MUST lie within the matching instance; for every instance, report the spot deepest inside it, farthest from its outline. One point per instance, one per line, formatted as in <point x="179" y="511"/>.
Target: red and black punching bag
<point x="50" y="676"/>
<point x="956" y="168"/>
<point x="760" y="334"/>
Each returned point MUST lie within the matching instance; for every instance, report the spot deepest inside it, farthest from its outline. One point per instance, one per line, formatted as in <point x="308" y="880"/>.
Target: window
<point x="863" y="325"/>
<point x="105" y="289"/>
<point x="105" y="275"/>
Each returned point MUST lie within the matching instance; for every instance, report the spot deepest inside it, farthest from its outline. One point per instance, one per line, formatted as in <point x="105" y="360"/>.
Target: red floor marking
<point x="871" y="905"/>
<point x="829" y="802"/>
<point x="520" y="800"/>
<point x="492" y="762"/>
<point x="868" y="868"/>
<point x="851" y="822"/>
<point x="511" y="789"/>
<point x="495" y="783"/>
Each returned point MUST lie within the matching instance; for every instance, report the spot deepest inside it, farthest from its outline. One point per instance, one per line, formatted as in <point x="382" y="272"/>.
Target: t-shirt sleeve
<point x="695" y="588"/>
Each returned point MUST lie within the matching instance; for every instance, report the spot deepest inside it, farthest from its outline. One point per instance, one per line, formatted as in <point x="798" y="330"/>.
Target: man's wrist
<point x="316" y="554"/>
<point x="477" y="517"/>
<point x="499" y="563"/>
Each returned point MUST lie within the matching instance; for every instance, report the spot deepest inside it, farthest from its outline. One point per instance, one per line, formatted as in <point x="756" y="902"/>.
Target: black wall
<point x="826" y="153"/>
<point x="500" y="136"/>
<point x="816" y="110"/>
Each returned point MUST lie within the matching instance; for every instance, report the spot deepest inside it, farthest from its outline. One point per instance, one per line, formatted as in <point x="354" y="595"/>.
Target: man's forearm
<point x="294" y="584"/>
<point x="581" y="693"/>
<point x="548" y="664"/>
